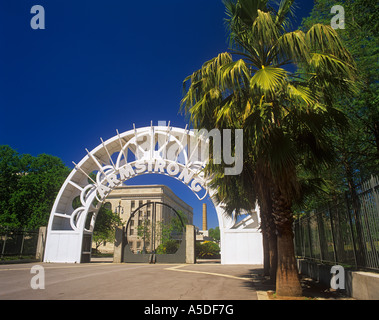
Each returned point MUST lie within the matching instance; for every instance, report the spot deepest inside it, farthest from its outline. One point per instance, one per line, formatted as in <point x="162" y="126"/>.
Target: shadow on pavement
<point x="311" y="288"/>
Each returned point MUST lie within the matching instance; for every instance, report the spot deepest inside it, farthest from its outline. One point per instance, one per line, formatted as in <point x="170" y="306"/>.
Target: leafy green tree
<point x="167" y="233"/>
<point x="360" y="36"/>
<point x="29" y="186"/>
<point x="284" y="112"/>
<point x="105" y="226"/>
<point x="177" y="222"/>
<point x="215" y="233"/>
<point x="144" y="232"/>
<point x="37" y="189"/>
<point x="10" y="174"/>
<point x="357" y="149"/>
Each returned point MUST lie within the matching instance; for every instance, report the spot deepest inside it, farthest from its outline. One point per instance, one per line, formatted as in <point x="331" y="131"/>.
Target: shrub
<point x="169" y="247"/>
<point x="207" y="249"/>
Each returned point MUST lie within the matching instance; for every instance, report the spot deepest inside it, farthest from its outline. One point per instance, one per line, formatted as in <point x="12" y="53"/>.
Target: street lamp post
<point x="120" y="209"/>
<point x="144" y="232"/>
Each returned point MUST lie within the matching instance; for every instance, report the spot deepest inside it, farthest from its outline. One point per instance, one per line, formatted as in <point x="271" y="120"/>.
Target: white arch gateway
<point x="175" y="152"/>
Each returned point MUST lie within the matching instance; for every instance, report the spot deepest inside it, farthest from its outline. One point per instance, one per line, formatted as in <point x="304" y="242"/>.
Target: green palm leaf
<point x="268" y="80"/>
<point x="293" y="46"/>
<point x="324" y="39"/>
<point x="234" y="75"/>
<point x="301" y="94"/>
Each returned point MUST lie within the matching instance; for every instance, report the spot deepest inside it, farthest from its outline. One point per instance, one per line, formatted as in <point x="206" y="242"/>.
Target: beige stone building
<point x="125" y="200"/>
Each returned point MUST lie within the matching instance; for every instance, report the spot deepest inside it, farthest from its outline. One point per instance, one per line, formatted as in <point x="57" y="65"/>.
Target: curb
<point x="262" y="295"/>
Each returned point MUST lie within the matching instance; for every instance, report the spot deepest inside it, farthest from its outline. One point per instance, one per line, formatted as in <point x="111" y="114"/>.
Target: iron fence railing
<point x="15" y="242"/>
<point x="345" y="231"/>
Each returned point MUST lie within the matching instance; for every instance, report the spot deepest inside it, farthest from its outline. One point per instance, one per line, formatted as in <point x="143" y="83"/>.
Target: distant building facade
<point x="126" y="199"/>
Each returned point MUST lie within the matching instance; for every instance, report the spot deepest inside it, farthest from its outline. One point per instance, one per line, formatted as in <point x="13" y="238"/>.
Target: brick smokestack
<point x="205" y="227"/>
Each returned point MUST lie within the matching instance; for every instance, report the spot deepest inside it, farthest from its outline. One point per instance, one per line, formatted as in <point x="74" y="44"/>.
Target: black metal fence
<point x="18" y="242"/>
<point x="344" y="232"/>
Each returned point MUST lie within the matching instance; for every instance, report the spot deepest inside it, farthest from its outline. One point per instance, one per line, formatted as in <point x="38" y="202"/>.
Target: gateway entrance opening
<point x="175" y="152"/>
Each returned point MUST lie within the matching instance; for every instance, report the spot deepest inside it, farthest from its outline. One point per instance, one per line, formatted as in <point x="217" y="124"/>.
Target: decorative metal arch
<point x="175" y="152"/>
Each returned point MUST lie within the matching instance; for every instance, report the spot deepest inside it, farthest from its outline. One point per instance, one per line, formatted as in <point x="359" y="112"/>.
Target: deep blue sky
<point x="101" y="66"/>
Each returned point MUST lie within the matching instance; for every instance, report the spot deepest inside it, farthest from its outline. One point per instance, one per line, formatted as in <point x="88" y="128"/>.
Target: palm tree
<point x="238" y="194"/>
<point x="280" y="90"/>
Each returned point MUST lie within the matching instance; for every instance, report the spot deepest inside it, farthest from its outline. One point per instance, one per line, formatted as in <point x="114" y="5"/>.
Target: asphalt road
<point x="127" y="282"/>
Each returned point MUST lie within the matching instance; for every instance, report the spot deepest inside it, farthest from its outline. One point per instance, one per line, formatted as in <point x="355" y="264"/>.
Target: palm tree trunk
<point x="265" y="235"/>
<point x="272" y="238"/>
<point x="266" y="248"/>
<point x="269" y="244"/>
<point x="287" y="276"/>
<point x="270" y="247"/>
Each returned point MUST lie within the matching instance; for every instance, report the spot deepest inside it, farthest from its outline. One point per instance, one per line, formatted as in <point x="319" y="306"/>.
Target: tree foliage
<point x="214" y="233"/>
<point x="282" y="87"/>
<point x="168" y="232"/>
<point x="357" y="149"/>
<point x="106" y="223"/>
<point x="28" y="187"/>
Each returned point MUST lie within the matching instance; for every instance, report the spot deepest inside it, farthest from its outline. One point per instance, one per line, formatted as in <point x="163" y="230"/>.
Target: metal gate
<point x="155" y="232"/>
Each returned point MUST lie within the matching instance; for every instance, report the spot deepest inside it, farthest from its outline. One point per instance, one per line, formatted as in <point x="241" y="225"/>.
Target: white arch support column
<point x="175" y="152"/>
